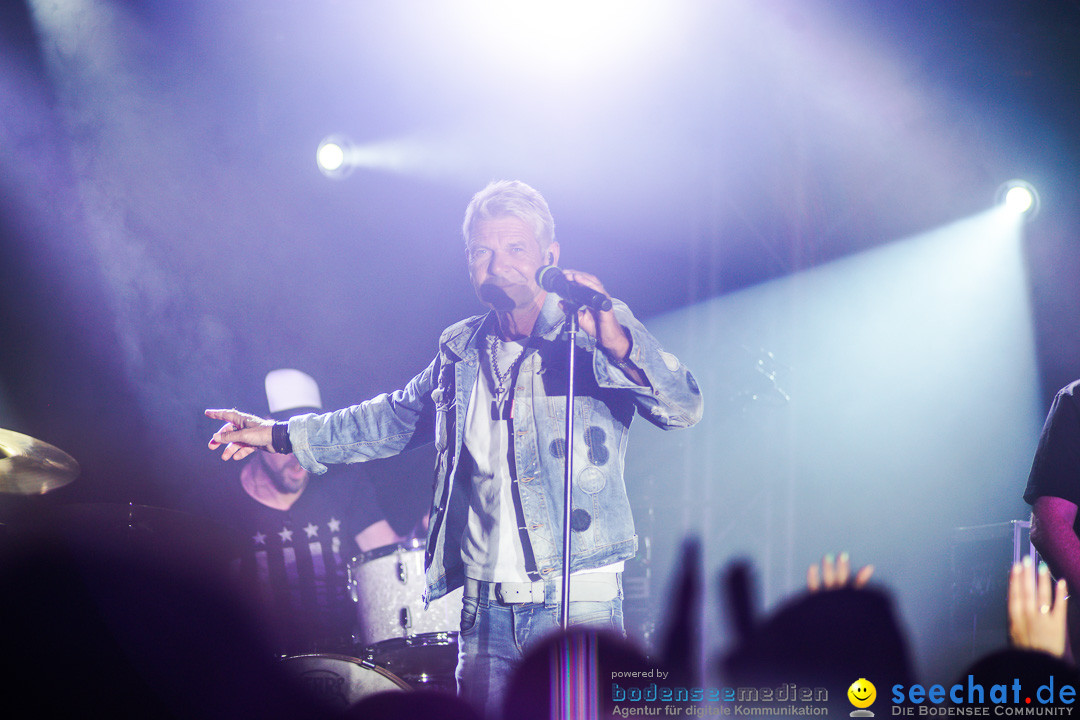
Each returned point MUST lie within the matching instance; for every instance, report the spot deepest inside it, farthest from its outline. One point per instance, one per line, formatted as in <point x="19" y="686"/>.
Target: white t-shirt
<point x="491" y="547"/>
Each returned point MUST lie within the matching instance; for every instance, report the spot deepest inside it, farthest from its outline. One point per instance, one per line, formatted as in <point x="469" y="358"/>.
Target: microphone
<point x="553" y="280"/>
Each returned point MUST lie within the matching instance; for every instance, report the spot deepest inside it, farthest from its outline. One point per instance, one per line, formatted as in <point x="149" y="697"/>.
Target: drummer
<point x="295" y="534"/>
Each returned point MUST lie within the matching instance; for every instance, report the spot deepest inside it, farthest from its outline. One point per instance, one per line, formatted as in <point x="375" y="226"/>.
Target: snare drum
<point x="340" y="681"/>
<point x="398" y="632"/>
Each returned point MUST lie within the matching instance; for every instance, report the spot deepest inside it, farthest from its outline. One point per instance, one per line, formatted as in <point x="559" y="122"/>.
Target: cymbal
<point x="32" y="467"/>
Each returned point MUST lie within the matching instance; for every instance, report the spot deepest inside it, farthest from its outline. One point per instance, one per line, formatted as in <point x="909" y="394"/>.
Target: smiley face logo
<point x="862" y="693"/>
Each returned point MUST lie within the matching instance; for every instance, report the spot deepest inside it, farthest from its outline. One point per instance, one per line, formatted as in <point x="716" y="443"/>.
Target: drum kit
<point x="401" y="644"/>
<point x="417" y="643"/>
<point x="404" y="645"/>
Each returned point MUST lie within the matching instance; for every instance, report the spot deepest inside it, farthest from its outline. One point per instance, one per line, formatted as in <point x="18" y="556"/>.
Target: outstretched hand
<point x="242" y="434"/>
<point x="1037" y="610"/>
<point x="836" y="574"/>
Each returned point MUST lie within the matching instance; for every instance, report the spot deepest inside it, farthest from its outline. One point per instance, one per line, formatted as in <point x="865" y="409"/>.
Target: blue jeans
<point x="495" y="637"/>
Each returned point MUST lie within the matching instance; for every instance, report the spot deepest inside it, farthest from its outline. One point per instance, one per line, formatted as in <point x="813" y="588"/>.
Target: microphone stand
<point x="568" y="486"/>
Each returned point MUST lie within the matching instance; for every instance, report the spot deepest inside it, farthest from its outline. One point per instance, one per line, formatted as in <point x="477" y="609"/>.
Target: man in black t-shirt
<point x="1053" y="491"/>
<point x="295" y="534"/>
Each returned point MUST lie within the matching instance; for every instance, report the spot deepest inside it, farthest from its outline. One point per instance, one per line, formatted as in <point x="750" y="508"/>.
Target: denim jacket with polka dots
<point x="432" y="407"/>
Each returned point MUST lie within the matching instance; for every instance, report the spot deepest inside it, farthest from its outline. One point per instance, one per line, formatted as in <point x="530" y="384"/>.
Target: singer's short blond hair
<point x="502" y="198"/>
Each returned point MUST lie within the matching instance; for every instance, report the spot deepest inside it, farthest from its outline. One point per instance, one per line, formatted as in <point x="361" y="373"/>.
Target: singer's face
<point x="503" y="256"/>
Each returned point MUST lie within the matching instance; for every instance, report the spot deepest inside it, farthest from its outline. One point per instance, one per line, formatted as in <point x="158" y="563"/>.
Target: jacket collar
<point x="466" y="337"/>
<point x="551" y="318"/>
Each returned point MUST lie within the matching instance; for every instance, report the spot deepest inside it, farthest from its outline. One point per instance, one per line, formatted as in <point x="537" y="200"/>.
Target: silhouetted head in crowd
<point x="825" y="640"/>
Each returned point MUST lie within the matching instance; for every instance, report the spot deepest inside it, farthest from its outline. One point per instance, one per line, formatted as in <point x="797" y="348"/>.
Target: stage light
<point x="333" y="157"/>
<point x="330" y="156"/>
<point x="1019" y="198"/>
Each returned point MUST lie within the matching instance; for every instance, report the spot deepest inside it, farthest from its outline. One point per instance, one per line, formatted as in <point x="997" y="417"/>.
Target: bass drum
<point x="395" y="629"/>
<point x="338" y="681"/>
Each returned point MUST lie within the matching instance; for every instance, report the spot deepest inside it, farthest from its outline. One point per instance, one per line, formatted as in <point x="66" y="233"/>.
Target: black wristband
<point x="279" y="438"/>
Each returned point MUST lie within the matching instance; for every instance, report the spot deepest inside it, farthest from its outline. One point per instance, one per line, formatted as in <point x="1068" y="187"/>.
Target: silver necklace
<point x="502" y="391"/>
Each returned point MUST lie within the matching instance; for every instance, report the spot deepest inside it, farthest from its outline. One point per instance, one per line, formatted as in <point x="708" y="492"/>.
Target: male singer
<point x="493" y="401"/>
